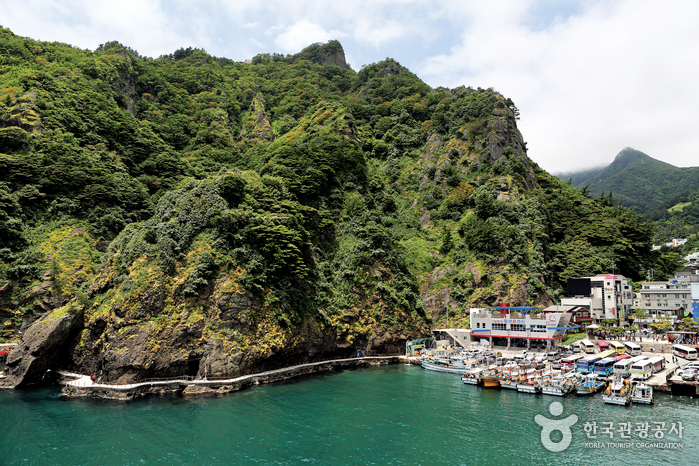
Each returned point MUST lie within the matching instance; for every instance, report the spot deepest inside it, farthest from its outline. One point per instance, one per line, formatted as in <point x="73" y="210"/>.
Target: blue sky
<point x="589" y="77"/>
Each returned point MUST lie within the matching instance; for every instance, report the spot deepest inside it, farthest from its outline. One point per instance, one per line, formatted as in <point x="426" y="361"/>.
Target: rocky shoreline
<point x="81" y="386"/>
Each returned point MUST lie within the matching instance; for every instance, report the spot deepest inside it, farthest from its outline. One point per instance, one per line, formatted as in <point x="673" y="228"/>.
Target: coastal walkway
<point x="85" y="382"/>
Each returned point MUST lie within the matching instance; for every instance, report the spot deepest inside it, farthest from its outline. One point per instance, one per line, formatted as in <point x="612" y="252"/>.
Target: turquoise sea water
<point x="388" y="415"/>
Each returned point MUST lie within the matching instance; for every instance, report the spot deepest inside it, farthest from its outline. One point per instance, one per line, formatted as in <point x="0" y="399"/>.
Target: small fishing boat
<point x="561" y="385"/>
<point x="642" y="394"/>
<point x="532" y="385"/>
<point x="491" y="379"/>
<point x="438" y="365"/>
<point x="591" y="385"/>
<point x="618" y="393"/>
<point x="509" y="381"/>
<point x="472" y="377"/>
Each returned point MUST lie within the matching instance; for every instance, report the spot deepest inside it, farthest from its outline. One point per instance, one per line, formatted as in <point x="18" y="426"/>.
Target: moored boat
<point x="560" y="385"/>
<point x="642" y="394"/>
<point x="532" y="385"/>
<point x="441" y="366"/>
<point x="472" y="377"/>
<point x="491" y="379"/>
<point x="618" y="393"/>
<point x="508" y="382"/>
<point x="591" y="385"/>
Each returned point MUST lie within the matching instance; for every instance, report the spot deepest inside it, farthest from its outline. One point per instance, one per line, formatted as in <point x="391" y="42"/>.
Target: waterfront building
<point x="516" y="327"/>
<point x="607" y="296"/>
<point x="580" y="316"/>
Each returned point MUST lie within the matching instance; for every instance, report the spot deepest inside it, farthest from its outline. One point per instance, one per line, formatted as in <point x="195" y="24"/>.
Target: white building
<point x="513" y="326"/>
<point x="606" y="296"/>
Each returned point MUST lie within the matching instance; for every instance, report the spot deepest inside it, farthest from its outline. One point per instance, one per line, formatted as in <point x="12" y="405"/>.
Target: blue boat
<point x="591" y="385"/>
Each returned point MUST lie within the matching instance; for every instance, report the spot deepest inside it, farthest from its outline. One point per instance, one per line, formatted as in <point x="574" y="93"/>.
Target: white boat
<point x="532" y="386"/>
<point x="618" y="393"/>
<point x="472" y="377"/>
<point x="509" y="382"/>
<point x="440" y="366"/>
<point x="561" y="385"/>
<point x="642" y="394"/>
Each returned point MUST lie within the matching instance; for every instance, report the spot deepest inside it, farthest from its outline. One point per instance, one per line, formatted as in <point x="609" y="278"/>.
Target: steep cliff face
<point x="194" y="215"/>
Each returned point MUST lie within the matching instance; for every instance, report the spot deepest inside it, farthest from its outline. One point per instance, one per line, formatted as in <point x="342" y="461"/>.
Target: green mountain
<point x="661" y="192"/>
<point x="644" y="183"/>
<point x="191" y="214"/>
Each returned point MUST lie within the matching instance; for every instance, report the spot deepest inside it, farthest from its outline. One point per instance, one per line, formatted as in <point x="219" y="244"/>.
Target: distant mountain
<point x="644" y="183"/>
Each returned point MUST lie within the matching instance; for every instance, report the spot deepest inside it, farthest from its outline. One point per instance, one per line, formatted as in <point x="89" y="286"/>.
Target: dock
<point x="663" y="381"/>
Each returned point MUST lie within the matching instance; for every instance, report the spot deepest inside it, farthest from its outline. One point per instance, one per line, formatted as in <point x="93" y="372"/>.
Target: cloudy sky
<point x="589" y="77"/>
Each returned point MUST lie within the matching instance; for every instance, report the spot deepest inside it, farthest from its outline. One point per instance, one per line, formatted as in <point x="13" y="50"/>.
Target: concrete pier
<point x="82" y="385"/>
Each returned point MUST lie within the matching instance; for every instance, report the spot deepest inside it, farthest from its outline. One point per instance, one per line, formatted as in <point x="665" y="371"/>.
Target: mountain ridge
<point x="190" y="214"/>
<point x="645" y="183"/>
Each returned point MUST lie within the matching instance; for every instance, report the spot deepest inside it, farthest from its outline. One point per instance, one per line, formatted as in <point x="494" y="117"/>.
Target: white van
<point x="587" y="346"/>
<point x="623" y="367"/>
<point x="642" y="369"/>
<point x="658" y="364"/>
<point x="632" y="348"/>
<point x="684" y="352"/>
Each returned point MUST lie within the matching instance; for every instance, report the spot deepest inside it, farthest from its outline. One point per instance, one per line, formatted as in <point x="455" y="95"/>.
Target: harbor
<point x="498" y="367"/>
<point x="388" y="414"/>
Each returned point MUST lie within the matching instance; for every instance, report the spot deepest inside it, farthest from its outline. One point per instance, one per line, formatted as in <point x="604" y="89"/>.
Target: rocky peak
<point x="330" y="53"/>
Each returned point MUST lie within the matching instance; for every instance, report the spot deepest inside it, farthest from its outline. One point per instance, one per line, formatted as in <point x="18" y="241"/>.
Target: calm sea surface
<point x="389" y="415"/>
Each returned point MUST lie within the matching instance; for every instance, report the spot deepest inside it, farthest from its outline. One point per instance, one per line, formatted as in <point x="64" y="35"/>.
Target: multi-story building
<point x="513" y="326"/>
<point x="580" y="316"/>
<point x="666" y="299"/>
<point x="607" y="296"/>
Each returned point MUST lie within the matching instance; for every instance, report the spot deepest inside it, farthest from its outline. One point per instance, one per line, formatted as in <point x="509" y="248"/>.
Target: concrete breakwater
<point x="80" y="385"/>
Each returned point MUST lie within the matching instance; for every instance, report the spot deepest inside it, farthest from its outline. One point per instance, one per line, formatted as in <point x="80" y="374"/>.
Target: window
<point x="538" y="328"/>
<point x="499" y="327"/>
<point x="517" y="327"/>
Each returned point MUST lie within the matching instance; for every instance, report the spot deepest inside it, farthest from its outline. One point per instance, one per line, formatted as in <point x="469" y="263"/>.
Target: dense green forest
<point x="191" y="206"/>
<point x="657" y="190"/>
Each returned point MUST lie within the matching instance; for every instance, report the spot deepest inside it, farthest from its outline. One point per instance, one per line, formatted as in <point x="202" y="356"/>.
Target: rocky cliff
<point x="190" y="215"/>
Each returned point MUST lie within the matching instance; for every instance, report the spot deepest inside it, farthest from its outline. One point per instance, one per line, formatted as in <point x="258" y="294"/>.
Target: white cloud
<point x="590" y="77"/>
<point x="616" y="75"/>
<point x="301" y="34"/>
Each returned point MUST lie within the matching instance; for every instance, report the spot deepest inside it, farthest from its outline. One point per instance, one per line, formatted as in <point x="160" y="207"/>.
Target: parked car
<point x="688" y="367"/>
<point x="552" y="355"/>
<point x="556" y="364"/>
<point x="521" y="355"/>
<point x="689" y="374"/>
<point x="566" y="354"/>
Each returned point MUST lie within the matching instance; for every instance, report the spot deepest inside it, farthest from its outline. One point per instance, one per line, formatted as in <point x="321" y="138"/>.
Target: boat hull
<point x="642" y="401"/>
<point x="491" y="382"/>
<point x="615" y="400"/>
<point x="524" y="388"/>
<point x="471" y="380"/>
<point x="446" y="369"/>
<point x="555" y="391"/>
<point x="583" y="390"/>
<point x="509" y="386"/>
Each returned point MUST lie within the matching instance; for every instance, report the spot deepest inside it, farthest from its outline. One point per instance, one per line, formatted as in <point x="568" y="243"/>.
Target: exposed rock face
<point x="330" y="53"/>
<point x="42" y="347"/>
